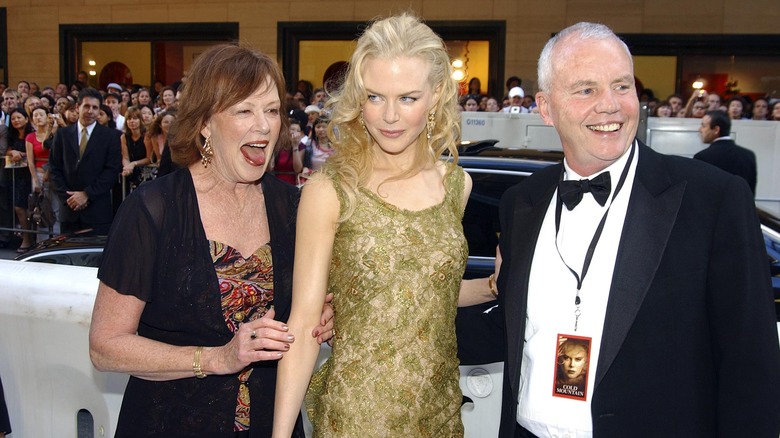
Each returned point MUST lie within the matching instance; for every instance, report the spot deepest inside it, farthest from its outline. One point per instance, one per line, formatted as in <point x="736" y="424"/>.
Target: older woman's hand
<point x="325" y="331"/>
<point x="258" y="340"/>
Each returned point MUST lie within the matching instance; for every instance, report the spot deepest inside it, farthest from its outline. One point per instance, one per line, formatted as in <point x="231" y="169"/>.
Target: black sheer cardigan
<point x="157" y="251"/>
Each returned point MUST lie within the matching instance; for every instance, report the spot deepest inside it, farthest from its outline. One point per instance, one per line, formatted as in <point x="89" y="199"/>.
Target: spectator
<point x="760" y="109"/>
<point x="492" y="105"/>
<point x="85" y="161"/>
<point x="38" y="145"/>
<point x="168" y="96"/>
<point x="664" y="109"/>
<point x="144" y="98"/>
<point x="147" y="115"/>
<point x="284" y="158"/>
<point x="157" y="136"/>
<point x="513" y="82"/>
<point x="136" y="152"/>
<point x="319" y="97"/>
<point x="736" y="108"/>
<point x="315" y="151"/>
<point x="10" y="101"/>
<point x="723" y="152"/>
<point x="106" y="117"/>
<point x="313" y="113"/>
<point x="114" y="102"/>
<point x="30" y="103"/>
<point x="475" y="87"/>
<point x="19" y="175"/>
<point x="71" y="115"/>
<point x="516" y="95"/>
<point x="23" y="88"/>
<point x="775" y="111"/>
<point x="676" y="103"/>
<point x="713" y="102"/>
<point x="61" y="90"/>
<point x="470" y="103"/>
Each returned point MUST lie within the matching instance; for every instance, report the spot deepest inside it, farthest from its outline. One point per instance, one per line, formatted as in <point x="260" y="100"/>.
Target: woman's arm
<point x="31" y="165"/>
<point x="127" y="168"/>
<point x="114" y="344"/>
<point x="480" y="290"/>
<point x="316" y="230"/>
<point x="298" y="158"/>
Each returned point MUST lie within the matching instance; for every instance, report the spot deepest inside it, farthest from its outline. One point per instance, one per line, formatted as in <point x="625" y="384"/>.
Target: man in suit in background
<point x="723" y="152"/>
<point x="85" y="163"/>
<point x="654" y="264"/>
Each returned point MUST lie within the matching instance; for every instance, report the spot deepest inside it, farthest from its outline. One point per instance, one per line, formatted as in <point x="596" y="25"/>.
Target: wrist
<point x="492" y="285"/>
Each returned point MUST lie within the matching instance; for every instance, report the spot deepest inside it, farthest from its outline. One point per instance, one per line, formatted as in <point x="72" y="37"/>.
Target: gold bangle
<point x="492" y="285"/>
<point x="196" y="364"/>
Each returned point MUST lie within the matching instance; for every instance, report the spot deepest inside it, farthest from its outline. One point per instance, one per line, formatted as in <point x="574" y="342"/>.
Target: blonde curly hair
<point x="399" y="36"/>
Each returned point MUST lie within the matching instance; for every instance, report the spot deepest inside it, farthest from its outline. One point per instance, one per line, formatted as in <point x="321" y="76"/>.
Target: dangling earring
<point x="206" y="154"/>
<point x="363" y="124"/>
<point x="431" y="123"/>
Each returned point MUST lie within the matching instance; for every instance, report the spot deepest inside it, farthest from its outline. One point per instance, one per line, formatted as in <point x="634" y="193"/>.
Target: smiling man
<point x="656" y="262"/>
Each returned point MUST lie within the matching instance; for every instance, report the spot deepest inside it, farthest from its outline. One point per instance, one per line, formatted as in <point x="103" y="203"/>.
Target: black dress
<point x="136" y="150"/>
<point x="19" y="177"/>
<point x="157" y="250"/>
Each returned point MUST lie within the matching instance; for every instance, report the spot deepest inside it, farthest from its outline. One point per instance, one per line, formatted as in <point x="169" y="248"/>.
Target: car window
<point x="480" y="220"/>
<point x="87" y="259"/>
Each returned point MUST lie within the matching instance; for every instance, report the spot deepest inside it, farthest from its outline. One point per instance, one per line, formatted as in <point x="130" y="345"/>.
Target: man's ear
<point x="542" y="101"/>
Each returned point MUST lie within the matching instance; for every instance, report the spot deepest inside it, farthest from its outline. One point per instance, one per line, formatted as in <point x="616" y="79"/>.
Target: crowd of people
<point x="31" y="118"/>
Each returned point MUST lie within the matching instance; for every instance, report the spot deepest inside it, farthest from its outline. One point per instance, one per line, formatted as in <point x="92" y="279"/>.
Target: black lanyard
<point x="596" y="235"/>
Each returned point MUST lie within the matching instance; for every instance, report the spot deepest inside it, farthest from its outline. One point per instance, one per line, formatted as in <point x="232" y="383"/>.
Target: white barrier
<point x="48" y="378"/>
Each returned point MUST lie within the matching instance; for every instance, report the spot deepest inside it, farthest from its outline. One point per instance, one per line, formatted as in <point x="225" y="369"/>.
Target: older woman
<point x="195" y="284"/>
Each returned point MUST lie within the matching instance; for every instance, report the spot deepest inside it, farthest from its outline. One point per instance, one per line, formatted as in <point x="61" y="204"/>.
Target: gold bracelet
<point x="492" y="285"/>
<point x="196" y="364"/>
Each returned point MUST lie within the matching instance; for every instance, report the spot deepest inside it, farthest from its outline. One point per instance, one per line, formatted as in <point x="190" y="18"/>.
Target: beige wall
<point x="33" y="35"/>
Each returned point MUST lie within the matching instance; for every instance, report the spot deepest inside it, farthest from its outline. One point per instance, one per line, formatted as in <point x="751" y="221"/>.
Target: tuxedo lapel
<point x="528" y="215"/>
<point x="651" y="214"/>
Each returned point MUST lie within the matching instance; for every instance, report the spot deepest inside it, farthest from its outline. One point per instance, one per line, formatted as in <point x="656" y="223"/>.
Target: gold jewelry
<point x="363" y="123"/>
<point x="207" y="153"/>
<point x="431" y="123"/>
<point x="196" y="363"/>
<point x="492" y="285"/>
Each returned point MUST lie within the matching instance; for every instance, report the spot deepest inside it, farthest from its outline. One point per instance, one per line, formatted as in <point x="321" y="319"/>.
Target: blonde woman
<point x="380" y="228"/>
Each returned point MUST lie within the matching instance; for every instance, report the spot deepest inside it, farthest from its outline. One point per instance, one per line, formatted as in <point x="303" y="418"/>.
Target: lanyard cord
<point x="596" y="235"/>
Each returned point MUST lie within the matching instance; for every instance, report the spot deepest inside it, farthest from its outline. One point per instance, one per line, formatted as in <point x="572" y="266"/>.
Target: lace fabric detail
<point x="246" y="288"/>
<point x="395" y="275"/>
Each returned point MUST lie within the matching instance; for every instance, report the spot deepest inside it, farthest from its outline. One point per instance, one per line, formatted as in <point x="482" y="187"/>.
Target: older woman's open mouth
<point x="255" y="152"/>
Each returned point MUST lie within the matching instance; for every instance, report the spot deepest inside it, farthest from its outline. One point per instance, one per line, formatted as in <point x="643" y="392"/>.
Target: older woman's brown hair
<point x="220" y="77"/>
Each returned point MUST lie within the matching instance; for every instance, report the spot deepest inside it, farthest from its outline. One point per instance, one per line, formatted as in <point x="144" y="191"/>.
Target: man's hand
<point x="77" y="201"/>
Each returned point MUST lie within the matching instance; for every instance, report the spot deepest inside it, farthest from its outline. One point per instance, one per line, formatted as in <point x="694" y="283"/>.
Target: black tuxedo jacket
<point x="690" y="344"/>
<point x="95" y="173"/>
<point x="726" y="155"/>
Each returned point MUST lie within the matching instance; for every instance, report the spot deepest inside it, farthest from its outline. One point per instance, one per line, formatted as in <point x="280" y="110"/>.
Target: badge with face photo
<point x="572" y="363"/>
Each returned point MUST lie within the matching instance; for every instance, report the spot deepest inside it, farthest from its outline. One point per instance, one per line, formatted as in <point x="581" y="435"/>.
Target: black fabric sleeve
<point x="129" y="258"/>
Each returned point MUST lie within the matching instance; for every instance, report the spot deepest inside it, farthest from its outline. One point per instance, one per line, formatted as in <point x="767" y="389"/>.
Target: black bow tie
<point x="571" y="191"/>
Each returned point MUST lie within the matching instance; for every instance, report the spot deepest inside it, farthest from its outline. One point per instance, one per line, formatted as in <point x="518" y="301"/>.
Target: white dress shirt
<point x="551" y="304"/>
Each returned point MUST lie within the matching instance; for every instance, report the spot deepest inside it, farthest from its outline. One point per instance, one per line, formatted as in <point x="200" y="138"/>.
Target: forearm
<point x="294" y="373"/>
<point x="145" y="358"/>
<point x="475" y="291"/>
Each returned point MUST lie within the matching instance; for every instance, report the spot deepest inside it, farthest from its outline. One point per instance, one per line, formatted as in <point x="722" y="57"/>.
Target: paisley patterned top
<point x="247" y="290"/>
<point x="395" y="275"/>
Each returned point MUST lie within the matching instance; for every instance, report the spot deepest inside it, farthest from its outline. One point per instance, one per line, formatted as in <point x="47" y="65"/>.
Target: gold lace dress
<point x="395" y="276"/>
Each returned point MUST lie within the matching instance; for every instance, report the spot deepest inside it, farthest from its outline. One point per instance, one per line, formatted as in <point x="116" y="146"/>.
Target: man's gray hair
<point x="582" y="31"/>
